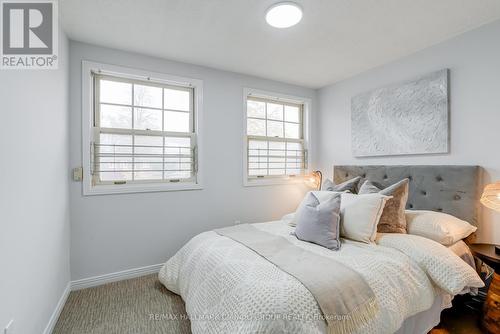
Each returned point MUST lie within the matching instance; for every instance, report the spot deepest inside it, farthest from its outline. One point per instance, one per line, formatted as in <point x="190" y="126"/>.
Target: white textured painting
<point x="408" y="118"/>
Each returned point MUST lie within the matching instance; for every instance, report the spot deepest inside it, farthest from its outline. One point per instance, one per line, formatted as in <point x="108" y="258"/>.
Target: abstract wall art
<point x="407" y="118"/>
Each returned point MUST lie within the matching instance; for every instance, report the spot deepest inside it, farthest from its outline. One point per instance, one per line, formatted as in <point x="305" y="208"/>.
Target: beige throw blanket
<point x="345" y="299"/>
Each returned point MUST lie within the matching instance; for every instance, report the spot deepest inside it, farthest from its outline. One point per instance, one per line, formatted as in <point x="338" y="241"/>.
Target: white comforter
<point x="228" y="288"/>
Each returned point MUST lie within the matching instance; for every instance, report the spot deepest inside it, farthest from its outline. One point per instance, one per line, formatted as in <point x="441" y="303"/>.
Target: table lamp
<point x="314" y="179"/>
<point x="491" y="199"/>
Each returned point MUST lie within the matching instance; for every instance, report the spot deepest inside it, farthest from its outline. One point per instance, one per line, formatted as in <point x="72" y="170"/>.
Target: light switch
<point x="77" y="174"/>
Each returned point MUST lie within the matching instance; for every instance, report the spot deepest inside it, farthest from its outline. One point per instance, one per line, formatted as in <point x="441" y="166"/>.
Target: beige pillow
<point x="360" y="215"/>
<point x="393" y="218"/>
<point x="440" y="227"/>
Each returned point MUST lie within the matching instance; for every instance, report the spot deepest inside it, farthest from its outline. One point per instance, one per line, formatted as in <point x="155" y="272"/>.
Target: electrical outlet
<point x="9" y="329"/>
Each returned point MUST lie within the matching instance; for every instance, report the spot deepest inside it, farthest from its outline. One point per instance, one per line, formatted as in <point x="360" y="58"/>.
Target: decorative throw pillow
<point x="393" y="218"/>
<point x="349" y="185"/>
<point x="319" y="222"/>
<point x="440" y="227"/>
<point x="360" y="215"/>
<point x="320" y="195"/>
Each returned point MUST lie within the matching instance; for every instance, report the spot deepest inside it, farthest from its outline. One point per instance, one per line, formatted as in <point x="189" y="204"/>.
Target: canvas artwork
<point x="407" y="118"/>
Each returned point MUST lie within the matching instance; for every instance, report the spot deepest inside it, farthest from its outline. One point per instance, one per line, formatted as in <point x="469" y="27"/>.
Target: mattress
<point x="424" y="321"/>
<point x="216" y="277"/>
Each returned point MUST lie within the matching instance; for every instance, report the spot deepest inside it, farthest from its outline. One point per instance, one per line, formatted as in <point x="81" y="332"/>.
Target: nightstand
<point x="491" y="311"/>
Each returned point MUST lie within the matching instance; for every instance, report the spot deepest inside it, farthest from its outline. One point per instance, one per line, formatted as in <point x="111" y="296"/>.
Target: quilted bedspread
<point x="228" y="288"/>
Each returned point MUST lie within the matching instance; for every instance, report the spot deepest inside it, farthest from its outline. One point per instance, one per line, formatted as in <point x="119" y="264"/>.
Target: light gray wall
<point x="34" y="194"/>
<point x="111" y="233"/>
<point x="474" y="63"/>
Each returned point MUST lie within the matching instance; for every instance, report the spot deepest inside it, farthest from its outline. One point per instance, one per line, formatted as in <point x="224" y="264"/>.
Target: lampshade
<point x="314" y="179"/>
<point x="491" y="196"/>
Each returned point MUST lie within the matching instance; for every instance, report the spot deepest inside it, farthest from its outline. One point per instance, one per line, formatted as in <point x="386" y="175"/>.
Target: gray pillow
<point x="393" y="219"/>
<point x="349" y="185"/>
<point x="319" y="223"/>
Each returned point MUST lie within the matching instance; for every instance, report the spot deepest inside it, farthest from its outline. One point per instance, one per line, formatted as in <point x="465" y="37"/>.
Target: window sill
<point x="138" y="188"/>
<point x="272" y="181"/>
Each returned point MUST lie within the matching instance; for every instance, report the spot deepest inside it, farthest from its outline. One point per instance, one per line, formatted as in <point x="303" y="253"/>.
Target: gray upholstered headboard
<point x="449" y="189"/>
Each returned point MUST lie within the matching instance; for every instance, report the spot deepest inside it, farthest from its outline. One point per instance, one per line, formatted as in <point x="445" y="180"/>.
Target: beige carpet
<point x="143" y="306"/>
<point x="137" y="306"/>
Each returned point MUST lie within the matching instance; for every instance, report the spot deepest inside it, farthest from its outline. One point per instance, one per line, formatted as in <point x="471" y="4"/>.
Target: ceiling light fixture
<point x="284" y="14"/>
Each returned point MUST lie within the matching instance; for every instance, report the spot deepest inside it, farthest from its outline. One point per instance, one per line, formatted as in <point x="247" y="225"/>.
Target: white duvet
<point x="228" y="288"/>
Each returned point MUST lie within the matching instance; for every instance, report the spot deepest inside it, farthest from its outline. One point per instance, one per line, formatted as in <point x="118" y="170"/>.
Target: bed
<point x="228" y="288"/>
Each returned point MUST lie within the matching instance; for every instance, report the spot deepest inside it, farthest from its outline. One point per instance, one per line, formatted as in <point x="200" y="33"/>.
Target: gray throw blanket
<point x="345" y="299"/>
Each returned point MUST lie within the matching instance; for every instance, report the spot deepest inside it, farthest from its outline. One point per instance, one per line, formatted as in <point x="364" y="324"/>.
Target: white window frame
<point x="306" y="131"/>
<point x="89" y="188"/>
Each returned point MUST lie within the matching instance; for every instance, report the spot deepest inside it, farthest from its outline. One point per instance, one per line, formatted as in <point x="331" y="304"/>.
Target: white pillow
<point x="440" y="227"/>
<point x="360" y="215"/>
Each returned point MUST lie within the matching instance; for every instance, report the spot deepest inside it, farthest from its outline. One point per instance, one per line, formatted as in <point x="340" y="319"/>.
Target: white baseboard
<point x="57" y="312"/>
<point x="114" y="277"/>
<point x="95" y="281"/>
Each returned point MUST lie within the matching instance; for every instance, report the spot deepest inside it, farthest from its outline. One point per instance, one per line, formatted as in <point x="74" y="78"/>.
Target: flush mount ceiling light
<point x="284" y="15"/>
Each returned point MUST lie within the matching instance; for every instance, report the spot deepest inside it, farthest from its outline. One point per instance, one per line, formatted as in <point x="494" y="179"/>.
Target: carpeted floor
<point x="143" y="306"/>
<point x="137" y="306"/>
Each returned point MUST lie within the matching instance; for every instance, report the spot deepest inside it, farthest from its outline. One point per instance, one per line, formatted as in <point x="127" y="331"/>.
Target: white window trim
<point x="307" y="103"/>
<point x="87" y="127"/>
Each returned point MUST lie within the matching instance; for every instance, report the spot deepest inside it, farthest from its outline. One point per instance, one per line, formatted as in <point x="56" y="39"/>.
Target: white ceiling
<point x="335" y="40"/>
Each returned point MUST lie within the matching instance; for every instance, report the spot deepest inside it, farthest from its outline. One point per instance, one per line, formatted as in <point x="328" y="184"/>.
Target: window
<point x="143" y="134"/>
<point x="275" y="140"/>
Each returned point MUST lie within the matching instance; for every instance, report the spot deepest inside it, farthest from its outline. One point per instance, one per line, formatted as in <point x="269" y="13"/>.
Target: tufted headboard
<point x="449" y="189"/>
